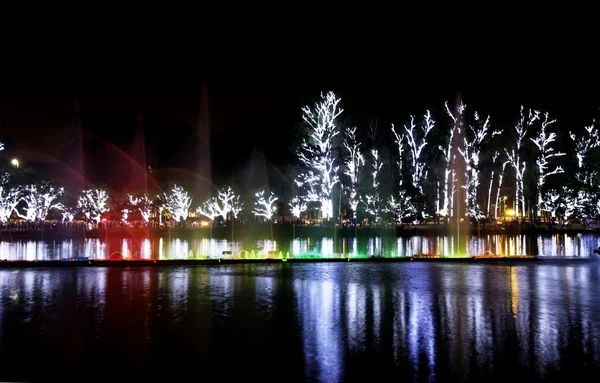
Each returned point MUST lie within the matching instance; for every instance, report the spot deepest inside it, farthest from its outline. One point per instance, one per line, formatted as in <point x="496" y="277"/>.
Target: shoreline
<point x="264" y="230"/>
<point x="207" y="262"/>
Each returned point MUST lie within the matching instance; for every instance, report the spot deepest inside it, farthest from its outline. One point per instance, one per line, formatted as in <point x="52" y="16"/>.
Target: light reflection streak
<point x="374" y="247"/>
<point x="563" y="245"/>
<point x="319" y="303"/>
<point x="125" y="249"/>
<point x="546" y="336"/>
<point x="146" y="249"/>
<point x="178" y="292"/>
<point x="514" y="292"/>
<point x="377" y="313"/>
<point x="327" y="247"/>
<point x="399" y="324"/>
<point x="355" y="316"/>
<point x="421" y="334"/>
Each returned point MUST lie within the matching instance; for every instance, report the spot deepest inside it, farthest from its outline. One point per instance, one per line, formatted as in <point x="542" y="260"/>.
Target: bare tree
<point x="449" y="172"/>
<point x="514" y="156"/>
<point x="319" y="175"/>
<point x="543" y="141"/>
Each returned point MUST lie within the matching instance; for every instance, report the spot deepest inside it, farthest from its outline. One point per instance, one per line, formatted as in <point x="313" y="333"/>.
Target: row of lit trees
<point x="436" y="169"/>
<point x="420" y="189"/>
<point x="35" y="202"/>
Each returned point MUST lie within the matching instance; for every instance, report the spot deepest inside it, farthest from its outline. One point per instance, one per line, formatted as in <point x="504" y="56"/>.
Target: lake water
<point x="562" y="245"/>
<point x="325" y="322"/>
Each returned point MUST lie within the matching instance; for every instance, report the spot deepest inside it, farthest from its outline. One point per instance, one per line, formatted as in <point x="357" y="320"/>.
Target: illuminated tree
<point x="158" y="206"/>
<point x="543" y="141"/>
<point x="552" y="203"/>
<point x="93" y="203"/>
<point x="514" y="156"/>
<point x="449" y="173"/>
<point x="223" y="203"/>
<point x="9" y="199"/>
<point x="400" y="204"/>
<point x="39" y="200"/>
<point x="416" y="139"/>
<point x="264" y="204"/>
<point x="236" y="206"/>
<point x="297" y="206"/>
<point x="319" y="173"/>
<point x="573" y="202"/>
<point x="399" y="140"/>
<point x="584" y="144"/>
<point x="143" y="204"/>
<point x="372" y="200"/>
<point x="473" y="140"/>
<point x="68" y="214"/>
<point x="124" y="215"/>
<point x="500" y="179"/>
<point x="489" y="203"/>
<point x="354" y="161"/>
<point x="178" y="203"/>
<point x="211" y="209"/>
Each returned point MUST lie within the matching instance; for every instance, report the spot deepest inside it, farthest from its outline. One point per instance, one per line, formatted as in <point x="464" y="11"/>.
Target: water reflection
<point x="579" y="245"/>
<point x="320" y="317"/>
<point x="324" y="322"/>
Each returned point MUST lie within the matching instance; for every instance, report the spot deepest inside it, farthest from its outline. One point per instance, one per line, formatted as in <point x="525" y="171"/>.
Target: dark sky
<point x="257" y="83"/>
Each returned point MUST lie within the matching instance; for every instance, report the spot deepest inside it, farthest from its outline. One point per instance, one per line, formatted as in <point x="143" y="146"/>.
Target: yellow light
<point x="510" y="212"/>
<point x="204" y="223"/>
<point x="15" y="162"/>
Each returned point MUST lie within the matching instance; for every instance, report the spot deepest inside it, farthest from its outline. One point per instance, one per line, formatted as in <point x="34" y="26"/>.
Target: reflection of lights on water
<point x="146" y="249"/>
<point x="179" y="249"/>
<point x="377" y="314"/>
<point x="125" y="249"/>
<point x="296" y="247"/>
<point x="322" y="338"/>
<point x="514" y="292"/>
<point x="356" y="314"/>
<point x="327" y="247"/>
<point x="548" y="328"/>
<point x="374" y="246"/>
<point x="421" y="333"/>
<point x="203" y="251"/>
<point x="400" y="247"/>
<point x="95" y="248"/>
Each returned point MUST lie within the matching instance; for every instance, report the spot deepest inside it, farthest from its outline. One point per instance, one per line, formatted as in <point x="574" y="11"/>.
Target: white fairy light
<point x="543" y="141"/>
<point x="226" y="201"/>
<point x="9" y="199"/>
<point x="178" y="203"/>
<point x="264" y="204"/>
<point x="39" y="200"/>
<point x="514" y="156"/>
<point x="354" y="161"/>
<point x="319" y="175"/>
<point x="297" y="206"/>
<point x="143" y="203"/>
<point x="416" y="142"/>
<point x="93" y="203"/>
<point x="473" y="141"/>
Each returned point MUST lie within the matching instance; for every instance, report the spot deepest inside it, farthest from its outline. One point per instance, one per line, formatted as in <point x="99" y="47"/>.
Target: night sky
<point x="253" y="88"/>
